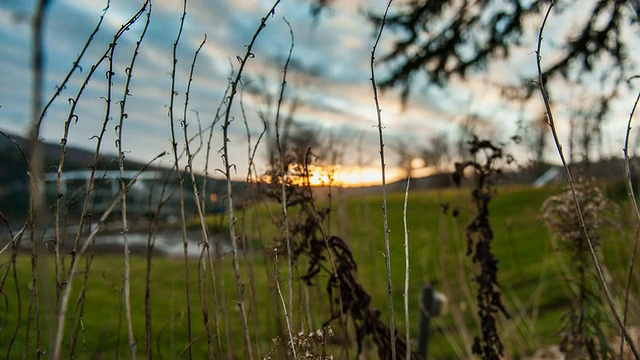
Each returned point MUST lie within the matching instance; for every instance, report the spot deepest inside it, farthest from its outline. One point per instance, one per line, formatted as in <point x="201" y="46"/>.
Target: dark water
<point x="166" y="242"/>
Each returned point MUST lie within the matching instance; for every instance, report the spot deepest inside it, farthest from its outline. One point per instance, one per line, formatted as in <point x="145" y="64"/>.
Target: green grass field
<point x="534" y="288"/>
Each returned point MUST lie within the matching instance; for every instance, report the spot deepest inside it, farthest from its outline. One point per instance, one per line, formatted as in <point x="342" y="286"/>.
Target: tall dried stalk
<point x="215" y="120"/>
<point x="210" y="256"/>
<point x="227" y="173"/>
<point x="407" y="270"/>
<point x="66" y="294"/>
<point x="12" y="269"/>
<point x="248" y="247"/>
<point x="387" y="252"/>
<point x="72" y="117"/>
<point x="283" y="185"/>
<point x="123" y="201"/>
<point x="76" y="251"/>
<point x="180" y="180"/>
<point x="252" y="176"/>
<point x="151" y="238"/>
<point x="480" y="236"/>
<point x="59" y="89"/>
<point x="284" y="306"/>
<point x="460" y="279"/>
<point x="203" y="226"/>
<point x="636" y="210"/>
<point x="592" y="253"/>
<point x="312" y="212"/>
<point x="79" y="309"/>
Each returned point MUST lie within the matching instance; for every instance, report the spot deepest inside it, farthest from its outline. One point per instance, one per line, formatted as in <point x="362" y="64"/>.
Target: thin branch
<point x="248" y="246"/>
<point x="227" y="171"/>
<point x="71" y="117"/>
<point x="180" y="179"/>
<point x="384" y="187"/>
<point x="76" y="63"/>
<point x="632" y="196"/>
<point x="284" y="306"/>
<point x="283" y="184"/>
<point x="592" y="253"/>
<point x="203" y="226"/>
<point x="407" y="270"/>
<point x="125" y="227"/>
<point x="66" y="294"/>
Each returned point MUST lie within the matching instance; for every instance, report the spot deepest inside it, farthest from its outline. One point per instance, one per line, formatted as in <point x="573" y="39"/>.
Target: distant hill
<point x="14" y="192"/>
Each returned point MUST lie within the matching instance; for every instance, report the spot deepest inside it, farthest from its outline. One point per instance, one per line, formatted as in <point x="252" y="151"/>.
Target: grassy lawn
<point x="531" y="276"/>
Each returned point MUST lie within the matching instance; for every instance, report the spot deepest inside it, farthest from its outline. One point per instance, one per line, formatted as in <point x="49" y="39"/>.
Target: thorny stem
<point x="12" y="268"/>
<point x="632" y="196"/>
<point x="479" y="236"/>
<point x="248" y="247"/>
<point x="215" y="120"/>
<point x="592" y="253"/>
<point x="384" y="189"/>
<point x="66" y="294"/>
<point x="407" y="271"/>
<point x="283" y="186"/>
<point x="62" y="86"/>
<point x="210" y="256"/>
<point x="284" y="307"/>
<point x="151" y="238"/>
<point x="63" y="142"/>
<point x="227" y="171"/>
<point x="325" y="237"/>
<point x="79" y="310"/>
<point x="201" y="216"/>
<point x="59" y="89"/>
<point x="125" y="227"/>
<point x="180" y="179"/>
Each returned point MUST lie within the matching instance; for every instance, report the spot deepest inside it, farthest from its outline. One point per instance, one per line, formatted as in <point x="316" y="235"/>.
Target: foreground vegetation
<point x="299" y="264"/>
<point x="534" y="286"/>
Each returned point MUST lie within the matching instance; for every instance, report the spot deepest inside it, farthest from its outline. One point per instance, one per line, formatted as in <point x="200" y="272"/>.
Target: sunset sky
<point x="329" y="76"/>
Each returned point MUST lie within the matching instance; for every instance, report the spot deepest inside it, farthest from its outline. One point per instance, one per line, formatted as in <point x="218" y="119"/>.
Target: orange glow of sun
<point x="349" y="176"/>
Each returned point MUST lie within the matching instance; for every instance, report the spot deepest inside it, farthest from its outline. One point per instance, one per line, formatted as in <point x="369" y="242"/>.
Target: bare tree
<point x="533" y="135"/>
<point x="437" y="152"/>
<point x="467" y="129"/>
<point x="406" y="155"/>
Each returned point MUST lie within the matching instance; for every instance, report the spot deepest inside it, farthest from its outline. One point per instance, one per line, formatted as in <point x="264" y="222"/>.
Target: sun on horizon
<point x="349" y="176"/>
<point x="355" y="176"/>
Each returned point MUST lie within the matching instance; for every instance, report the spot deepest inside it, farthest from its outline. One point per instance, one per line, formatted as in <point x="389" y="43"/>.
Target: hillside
<point x="14" y="192"/>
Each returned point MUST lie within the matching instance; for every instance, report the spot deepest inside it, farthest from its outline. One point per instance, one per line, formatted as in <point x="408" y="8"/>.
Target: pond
<point x="165" y="242"/>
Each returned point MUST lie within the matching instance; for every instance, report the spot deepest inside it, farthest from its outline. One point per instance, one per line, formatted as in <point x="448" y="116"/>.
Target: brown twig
<point x="203" y="226"/>
<point x="66" y="293"/>
<point x="125" y="227"/>
<point x="180" y="178"/>
<point x="227" y="173"/>
<point x="387" y="254"/>
<point x="636" y="210"/>
<point x="283" y="185"/>
<point x="552" y="125"/>
<point x="407" y="271"/>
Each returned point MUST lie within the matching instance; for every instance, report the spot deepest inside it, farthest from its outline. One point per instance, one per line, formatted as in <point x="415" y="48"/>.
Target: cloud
<point x="329" y="74"/>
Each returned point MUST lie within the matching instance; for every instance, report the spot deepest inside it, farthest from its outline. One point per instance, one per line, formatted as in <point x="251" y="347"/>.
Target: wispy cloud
<point x="329" y="74"/>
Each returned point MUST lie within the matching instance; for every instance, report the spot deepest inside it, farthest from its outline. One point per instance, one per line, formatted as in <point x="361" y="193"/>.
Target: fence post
<point x="431" y="304"/>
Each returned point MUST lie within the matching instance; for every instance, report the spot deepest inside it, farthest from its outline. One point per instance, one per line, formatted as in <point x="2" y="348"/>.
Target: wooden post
<point x="426" y="300"/>
<point x="432" y="303"/>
